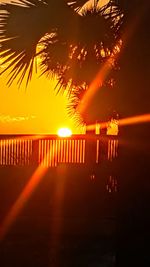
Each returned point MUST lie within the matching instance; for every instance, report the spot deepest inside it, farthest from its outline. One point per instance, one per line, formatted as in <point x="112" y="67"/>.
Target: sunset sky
<point x="36" y="109"/>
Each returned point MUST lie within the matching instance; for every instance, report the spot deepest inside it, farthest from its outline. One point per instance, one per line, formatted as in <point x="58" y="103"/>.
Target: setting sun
<point x="64" y="132"/>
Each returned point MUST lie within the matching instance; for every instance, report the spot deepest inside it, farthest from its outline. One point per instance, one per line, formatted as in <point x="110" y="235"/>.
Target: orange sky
<point x="36" y="109"/>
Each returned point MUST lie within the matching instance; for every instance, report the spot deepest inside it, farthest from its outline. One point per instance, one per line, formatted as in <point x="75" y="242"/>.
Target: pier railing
<point x="52" y="150"/>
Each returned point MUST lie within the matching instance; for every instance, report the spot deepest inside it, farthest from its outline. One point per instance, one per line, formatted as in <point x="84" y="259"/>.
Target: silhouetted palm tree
<point x="72" y="41"/>
<point x="133" y="78"/>
<point x="73" y="45"/>
<point x="132" y="98"/>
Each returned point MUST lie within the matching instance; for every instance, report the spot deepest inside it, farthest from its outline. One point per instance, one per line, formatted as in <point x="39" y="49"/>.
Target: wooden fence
<point x="52" y="150"/>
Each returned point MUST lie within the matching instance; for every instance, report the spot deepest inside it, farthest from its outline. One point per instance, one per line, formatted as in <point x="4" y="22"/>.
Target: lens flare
<point x="23" y="198"/>
<point x="108" y="65"/>
<point x="135" y="120"/>
<point x="95" y="86"/>
<point x="144" y="118"/>
<point x="99" y="79"/>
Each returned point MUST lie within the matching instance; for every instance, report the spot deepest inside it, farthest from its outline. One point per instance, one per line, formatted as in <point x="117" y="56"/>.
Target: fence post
<point x="35" y="152"/>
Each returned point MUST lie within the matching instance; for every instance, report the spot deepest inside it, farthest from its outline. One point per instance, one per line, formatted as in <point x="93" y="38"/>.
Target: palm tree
<point x="72" y="41"/>
<point x="132" y="98"/>
<point x="134" y="60"/>
<point x="23" y="24"/>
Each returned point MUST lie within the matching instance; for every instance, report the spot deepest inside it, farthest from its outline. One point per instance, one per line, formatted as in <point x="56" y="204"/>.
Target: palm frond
<point x="21" y="28"/>
<point x="127" y="11"/>
<point x="127" y="7"/>
<point x="74" y="100"/>
<point x="77" y="4"/>
<point x="74" y="45"/>
<point x="22" y="25"/>
<point x="76" y="59"/>
<point x="100" y="107"/>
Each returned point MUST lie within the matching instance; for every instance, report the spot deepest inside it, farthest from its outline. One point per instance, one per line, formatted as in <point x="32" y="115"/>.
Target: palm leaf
<point x="100" y="107"/>
<point x="75" y="98"/>
<point x="126" y="12"/>
<point x="22" y="25"/>
<point x="79" y="40"/>
<point x="77" y="4"/>
<point x="76" y="59"/>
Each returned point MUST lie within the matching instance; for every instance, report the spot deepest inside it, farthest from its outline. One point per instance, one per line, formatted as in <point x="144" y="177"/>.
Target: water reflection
<point x="112" y="184"/>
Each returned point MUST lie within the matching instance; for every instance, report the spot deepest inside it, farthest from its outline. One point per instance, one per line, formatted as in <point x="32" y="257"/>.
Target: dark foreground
<point x="70" y="219"/>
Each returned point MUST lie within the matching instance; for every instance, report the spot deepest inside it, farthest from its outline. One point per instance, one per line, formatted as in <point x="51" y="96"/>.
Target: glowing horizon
<point x="35" y="110"/>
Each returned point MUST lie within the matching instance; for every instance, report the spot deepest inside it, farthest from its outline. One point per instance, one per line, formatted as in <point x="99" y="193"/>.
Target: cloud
<point x="8" y="118"/>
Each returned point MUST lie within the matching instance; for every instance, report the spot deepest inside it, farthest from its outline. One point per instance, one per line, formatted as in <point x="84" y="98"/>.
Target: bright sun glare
<point x="64" y="132"/>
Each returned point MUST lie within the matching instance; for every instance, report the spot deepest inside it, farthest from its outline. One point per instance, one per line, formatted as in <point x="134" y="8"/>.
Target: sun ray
<point x="22" y="200"/>
<point x="99" y="80"/>
<point x="104" y="71"/>
<point x="135" y="120"/>
<point x="139" y="119"/>
<point x="24" y="197"/>
<point x="57" y="211"/>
